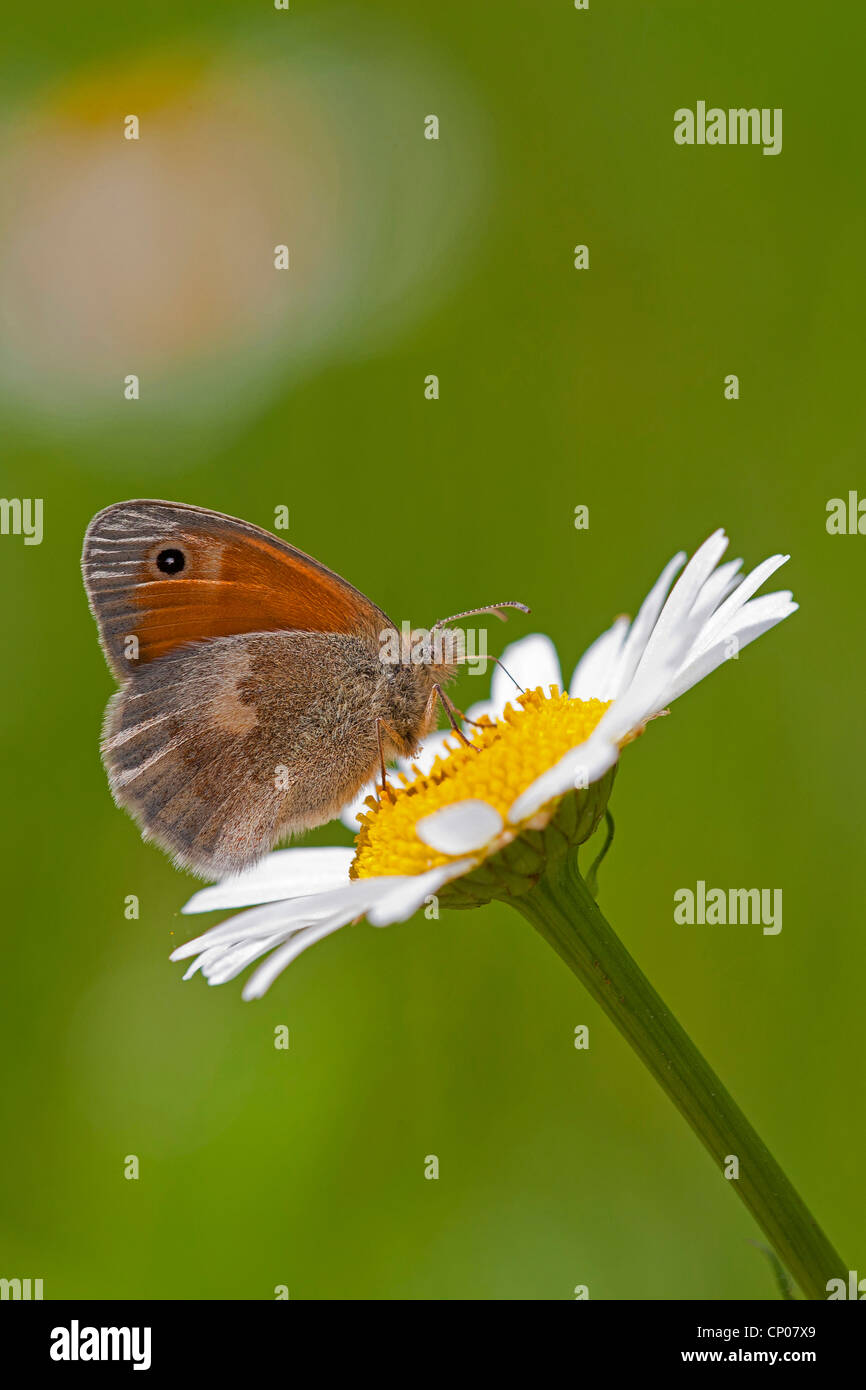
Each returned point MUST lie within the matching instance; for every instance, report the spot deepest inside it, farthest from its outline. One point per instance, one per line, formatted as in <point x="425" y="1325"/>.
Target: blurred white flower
<point x="155" y="256"/>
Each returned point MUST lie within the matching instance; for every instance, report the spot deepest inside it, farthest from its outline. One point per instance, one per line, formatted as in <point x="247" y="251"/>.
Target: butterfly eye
<point x="170" y="561"/>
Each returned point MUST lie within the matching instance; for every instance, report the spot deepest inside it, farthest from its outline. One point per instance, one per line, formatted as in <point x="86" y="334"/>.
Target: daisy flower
<point x="502" y="818"/>
<point x="465" y="824"/>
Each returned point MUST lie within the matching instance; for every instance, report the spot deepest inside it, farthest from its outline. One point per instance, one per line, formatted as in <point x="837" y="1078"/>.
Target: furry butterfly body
<point x="254" y="700"/>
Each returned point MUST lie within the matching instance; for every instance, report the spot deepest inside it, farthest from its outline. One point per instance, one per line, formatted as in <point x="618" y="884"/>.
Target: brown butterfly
<point x="255" y="701"/>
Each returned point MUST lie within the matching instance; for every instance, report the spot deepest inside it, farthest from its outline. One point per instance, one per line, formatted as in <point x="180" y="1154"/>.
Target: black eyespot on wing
<point x="170" y="561"/>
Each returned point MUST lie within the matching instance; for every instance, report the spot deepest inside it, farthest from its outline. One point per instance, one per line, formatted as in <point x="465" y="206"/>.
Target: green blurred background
<point x="558" y="387"/>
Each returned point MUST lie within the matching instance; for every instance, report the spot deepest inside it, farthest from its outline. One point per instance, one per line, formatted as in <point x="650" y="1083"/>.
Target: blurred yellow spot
<point x="104" y="95"/>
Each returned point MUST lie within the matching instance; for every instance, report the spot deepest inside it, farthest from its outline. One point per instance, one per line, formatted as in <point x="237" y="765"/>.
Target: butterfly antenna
<point x="488" y="608"/>
<point x="485" y="656"/>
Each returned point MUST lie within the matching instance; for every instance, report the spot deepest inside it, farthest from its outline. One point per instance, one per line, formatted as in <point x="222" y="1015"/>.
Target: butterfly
<point x="255" y="699"/>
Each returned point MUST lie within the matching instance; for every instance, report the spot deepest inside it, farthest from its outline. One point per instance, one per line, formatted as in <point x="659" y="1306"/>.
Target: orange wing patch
<point x="168" y="574"/>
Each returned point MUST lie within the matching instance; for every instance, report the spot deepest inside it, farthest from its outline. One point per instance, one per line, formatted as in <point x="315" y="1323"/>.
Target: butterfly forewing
<point x="165" y="574"/>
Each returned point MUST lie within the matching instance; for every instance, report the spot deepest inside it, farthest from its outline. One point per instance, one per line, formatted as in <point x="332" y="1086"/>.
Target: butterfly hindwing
<point x="221" y="748"/>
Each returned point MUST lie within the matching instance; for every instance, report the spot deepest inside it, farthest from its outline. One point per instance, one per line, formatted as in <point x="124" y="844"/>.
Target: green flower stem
<point x="562" y="909"/>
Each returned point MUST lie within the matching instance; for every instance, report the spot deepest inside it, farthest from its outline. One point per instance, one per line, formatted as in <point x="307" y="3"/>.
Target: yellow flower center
<point x="504" y="758"/>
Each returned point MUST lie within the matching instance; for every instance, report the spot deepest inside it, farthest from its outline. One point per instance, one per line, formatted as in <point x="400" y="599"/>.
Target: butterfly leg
<point x="438" y="693"/>
<point x="485" y="723"/>
<point x="385" y="789"/>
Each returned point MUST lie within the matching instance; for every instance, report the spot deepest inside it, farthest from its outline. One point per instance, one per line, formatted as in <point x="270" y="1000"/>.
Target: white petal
<point x="405" y="895"/>
<point x="478" y="711"/>
<point x="202" y="960"/>
<point x="432" y="748"/>
<point x="262" y="979"/>
<point x="532" y="661"/>
<point x="580" y="767"/>
<point x="352" y="809"/>
<point x="224" y="963"/>
<point x="672" y="639"/>
<point x="595" y="676"/>
<point x="287" y="873"/>
<point x="647" y="695"/>
<point x="639" y="634"/>
<point x="720" y="583"/>
<point x="460" y="828"/>
<point x="756" y="610"/>
<point x="724" y="649"/>
<point x="286" y="916"/>
<point x="735" y="601"/>
<point x="779" y="604"/>
<point x="290" y="927"/>
<point x="673" y="633"/>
